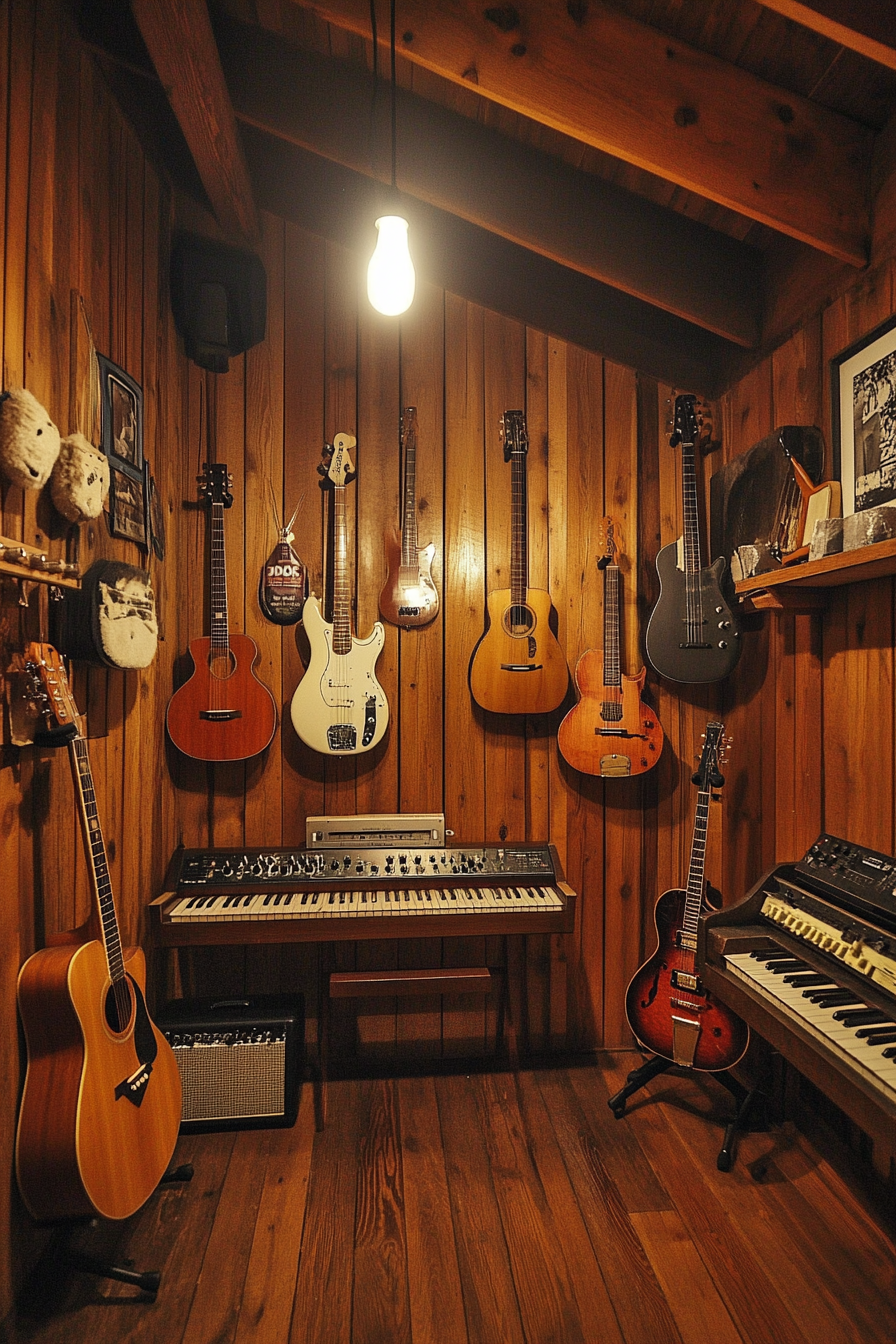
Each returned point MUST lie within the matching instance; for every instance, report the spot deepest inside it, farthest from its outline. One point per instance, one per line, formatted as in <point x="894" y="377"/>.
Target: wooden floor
<point x="496" y="1207"/>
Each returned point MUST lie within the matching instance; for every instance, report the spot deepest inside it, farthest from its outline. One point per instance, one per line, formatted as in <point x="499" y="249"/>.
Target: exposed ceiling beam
<point x="488" y="179"/>
<point x="865" y="26"/>
<point x="178" y="35"/>
<point x="650" y="100"/>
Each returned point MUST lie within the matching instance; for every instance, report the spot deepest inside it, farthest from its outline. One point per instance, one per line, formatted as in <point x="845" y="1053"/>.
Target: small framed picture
<point x="863" y="414"/>
<point x="122" y="429"/>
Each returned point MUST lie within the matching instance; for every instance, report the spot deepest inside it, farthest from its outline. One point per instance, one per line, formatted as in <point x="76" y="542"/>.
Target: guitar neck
<point x="519" y="533"/>
<point x="96" y="858"/>
<point x="342" y="610"/>
<point x="409" y="505"/>
<point x="691" y="533"/>
<point x="220" y="628"/>
<point x="612" y="663"/>
<point x="694" y="899"/>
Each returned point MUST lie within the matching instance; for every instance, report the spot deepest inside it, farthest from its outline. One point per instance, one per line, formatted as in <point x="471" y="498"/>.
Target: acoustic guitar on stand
<point x="339" y="708"/>
<point x="518" y="667"/>
<point x="223" y="712"/>
<point x="691" y="635"/>
<point x="101" y="1106"/>
<point x="610" y="732"/>
<point x="409" y="597"/>
<point x="667" y="1006"/>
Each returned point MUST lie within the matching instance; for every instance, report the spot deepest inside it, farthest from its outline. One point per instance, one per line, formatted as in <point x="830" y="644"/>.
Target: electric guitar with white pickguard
<point x="339" y="708"/>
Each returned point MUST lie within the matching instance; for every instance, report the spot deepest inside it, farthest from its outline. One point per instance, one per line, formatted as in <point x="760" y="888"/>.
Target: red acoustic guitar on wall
<point x="667" y="1006"/>
<point x="223" y="713"/>
<point x="101" y="1106"/>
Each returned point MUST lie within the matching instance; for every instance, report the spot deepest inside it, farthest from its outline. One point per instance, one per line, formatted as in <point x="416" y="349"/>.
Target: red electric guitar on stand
<point x="223" y="713"/>
<point x="667" y="1007"/>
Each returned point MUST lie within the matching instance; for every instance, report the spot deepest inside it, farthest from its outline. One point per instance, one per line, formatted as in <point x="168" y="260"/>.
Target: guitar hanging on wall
<point x="409" y="597"/>
<point x="101" y="1107"/>
<point x="518" y="667"/>
<point x="223" y="713"/>
<point x="667" y="1007"/>
<point x="691" y="635"/>
<point x="610" y="732"/>
<point x="339" y="708"/>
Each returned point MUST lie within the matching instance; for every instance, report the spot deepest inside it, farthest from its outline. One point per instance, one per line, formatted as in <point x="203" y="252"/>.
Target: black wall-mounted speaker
<point x="219" y="299"/>
<point x="239" y="1059"/>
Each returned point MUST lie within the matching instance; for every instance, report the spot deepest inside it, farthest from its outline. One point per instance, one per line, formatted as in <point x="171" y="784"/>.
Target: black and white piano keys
<point x="225" y="907"/>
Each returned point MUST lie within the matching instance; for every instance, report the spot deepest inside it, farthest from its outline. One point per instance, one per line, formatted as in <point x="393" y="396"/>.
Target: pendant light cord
<point x="392" y="83"/>
<point x="392" y="52"/>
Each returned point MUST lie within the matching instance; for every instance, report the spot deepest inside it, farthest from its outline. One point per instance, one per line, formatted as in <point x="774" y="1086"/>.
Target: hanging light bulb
<point x="390" y="275"/>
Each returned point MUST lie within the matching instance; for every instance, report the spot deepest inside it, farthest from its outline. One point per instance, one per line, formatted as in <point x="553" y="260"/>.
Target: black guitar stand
<point x="745" y="1099"/>
<point x="61" y="1254"/>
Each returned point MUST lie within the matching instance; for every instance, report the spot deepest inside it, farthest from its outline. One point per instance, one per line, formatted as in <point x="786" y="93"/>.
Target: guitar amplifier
<point x="239" y="1060"/>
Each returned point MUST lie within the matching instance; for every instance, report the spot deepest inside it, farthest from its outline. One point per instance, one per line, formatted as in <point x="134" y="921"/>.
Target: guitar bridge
<point x="521" y="667"/>
<point x="220" y="715"/>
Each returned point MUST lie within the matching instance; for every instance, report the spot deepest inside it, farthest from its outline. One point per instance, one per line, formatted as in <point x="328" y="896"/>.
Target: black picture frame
<point x="121" y="400"/>
<point x="863" y="419"/>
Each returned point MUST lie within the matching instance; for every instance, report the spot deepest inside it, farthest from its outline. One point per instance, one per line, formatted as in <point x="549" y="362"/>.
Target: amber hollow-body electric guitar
<point x="610" y="732"/>
<point x="223" y="713"/>
<point x="691" y="635"/>
<point x="667" y="1007"/>
<point x="409" y="597"/>
<point x="339" y="708"/>
<point x="518" y="667"/>
<point x="101" y="1106"/>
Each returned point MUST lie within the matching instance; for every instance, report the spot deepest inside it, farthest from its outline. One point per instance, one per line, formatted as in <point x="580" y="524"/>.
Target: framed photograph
<point x="121" y="402"/>
<point x="863" y="414"/>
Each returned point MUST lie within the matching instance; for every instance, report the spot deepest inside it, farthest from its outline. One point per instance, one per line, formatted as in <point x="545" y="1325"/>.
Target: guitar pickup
<point x="686" y="980"/>
<point x="220" y="715"/>
<point x="342" y="737"/>
<point x="686" y="940"/>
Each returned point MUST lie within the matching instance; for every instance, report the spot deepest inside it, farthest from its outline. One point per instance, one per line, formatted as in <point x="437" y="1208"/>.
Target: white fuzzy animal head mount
<point x="80" y="480"/>
<point x="29" y="441"/>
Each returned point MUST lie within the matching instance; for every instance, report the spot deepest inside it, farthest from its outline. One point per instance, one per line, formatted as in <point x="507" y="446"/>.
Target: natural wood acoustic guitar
<point x="101" y="1106"/>
<point x="610" y="732"/>
<point x="667" y="1006"/>
<point x="223" y="712"/>
<point x="409" y="597"/>
<point x="691" y="635"/>
<point x="339" y="708"/>
<point x="518" y="667"/>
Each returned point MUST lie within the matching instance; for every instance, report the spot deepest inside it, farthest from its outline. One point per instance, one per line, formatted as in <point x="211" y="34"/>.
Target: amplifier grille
<point x="231" y="1077"/>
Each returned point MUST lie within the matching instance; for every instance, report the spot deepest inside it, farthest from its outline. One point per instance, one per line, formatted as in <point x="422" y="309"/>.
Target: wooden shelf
<point x="801" y="588"/>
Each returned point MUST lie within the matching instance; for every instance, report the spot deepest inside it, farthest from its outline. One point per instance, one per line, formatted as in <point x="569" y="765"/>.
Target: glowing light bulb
<point x="390" y="276"/>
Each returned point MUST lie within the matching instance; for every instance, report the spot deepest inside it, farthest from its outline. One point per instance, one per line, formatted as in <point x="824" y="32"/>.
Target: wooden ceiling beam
<point x="525" y="196"/>
<point x="179" y="38"/>
<point x="648" y="99"/>
<point x="865" y="26"/>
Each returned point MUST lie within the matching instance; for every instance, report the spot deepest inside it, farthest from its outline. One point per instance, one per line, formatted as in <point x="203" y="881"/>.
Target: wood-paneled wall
<point x="809" y="706"/>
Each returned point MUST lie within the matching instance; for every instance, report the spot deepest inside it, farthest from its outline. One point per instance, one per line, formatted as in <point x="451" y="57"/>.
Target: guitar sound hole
<point x="118" y="1007"/>
<point x="222" y="665"/>
<point x="519" y="620"/>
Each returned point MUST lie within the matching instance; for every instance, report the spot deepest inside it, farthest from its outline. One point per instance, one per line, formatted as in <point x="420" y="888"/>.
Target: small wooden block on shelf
<point x="802" y="587"/>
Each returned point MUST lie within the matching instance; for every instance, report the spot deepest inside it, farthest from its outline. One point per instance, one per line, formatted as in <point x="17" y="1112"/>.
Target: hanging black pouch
<point x="111" y="620"/>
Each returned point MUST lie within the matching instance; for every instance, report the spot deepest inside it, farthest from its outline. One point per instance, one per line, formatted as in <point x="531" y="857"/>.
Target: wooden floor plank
<point x="699" y="1311"/>
<point x="266" y="1308"/>
<point x="323" y="1304"/>
<point x="641" y="1308"/>
<point x="380" y="1307"/>
<point x="490" y="1301"/>
<point x="434" y="1284"/>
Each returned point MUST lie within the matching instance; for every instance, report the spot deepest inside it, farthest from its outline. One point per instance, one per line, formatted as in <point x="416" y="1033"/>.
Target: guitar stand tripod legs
<point x="745" y="1100"/>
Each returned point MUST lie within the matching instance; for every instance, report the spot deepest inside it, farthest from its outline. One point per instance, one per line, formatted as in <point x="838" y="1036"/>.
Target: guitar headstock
<point x="215" y="483"/>
<point x="515" y="434"/>
<point x="49" y="691"/>
<point x="336" y="467"/>
<point x="691" y="424"/>
<point x="611" y="547"/>
<point x="715" y="746"/>
<point x="409" y="427"/>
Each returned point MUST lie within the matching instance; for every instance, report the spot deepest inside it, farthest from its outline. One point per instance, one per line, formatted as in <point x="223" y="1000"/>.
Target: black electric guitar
<point x="667" y="1007"/>
<point x="691" y="635"/>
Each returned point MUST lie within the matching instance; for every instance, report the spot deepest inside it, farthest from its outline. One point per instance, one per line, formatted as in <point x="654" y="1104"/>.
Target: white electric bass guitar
<point x="339" y="708"/>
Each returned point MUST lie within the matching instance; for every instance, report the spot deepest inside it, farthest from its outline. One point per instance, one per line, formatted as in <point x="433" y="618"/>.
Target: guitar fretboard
<point x="96" y="852"/>
<point x="612" y="663"/>
<point x="342" y="610"/>
<point x="519" y="563"/>
<point x="409" y="507"/>
<point x="691" y="545"/>
<point x="220" y="634"/>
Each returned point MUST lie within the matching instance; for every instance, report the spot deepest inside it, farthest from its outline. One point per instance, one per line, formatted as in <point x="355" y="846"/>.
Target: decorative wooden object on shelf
<point x="802" y="588"/>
